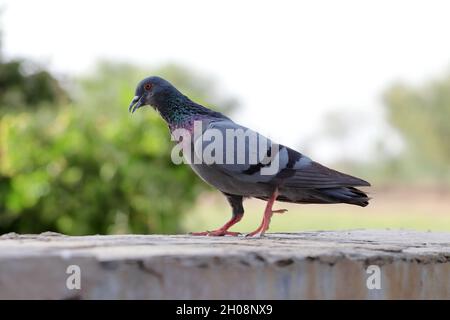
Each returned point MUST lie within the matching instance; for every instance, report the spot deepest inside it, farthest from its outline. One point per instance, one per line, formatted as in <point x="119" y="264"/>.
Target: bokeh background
<point x="362" y="87"/>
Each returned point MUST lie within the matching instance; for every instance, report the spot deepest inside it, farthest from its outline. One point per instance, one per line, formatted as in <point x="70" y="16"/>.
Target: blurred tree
<point x="89" y="167"/>
<point x="422" y="115"/>
<point x="24" y="85"/>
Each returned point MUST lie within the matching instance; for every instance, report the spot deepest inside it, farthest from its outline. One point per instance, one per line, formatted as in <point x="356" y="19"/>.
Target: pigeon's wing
<point x="267" y="162"/>
<point x="311" y="174"/>
<point x="237" y="152"/>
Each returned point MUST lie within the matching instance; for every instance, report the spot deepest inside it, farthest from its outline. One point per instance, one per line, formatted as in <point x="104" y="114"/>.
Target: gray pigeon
<point x="266" y="171"/>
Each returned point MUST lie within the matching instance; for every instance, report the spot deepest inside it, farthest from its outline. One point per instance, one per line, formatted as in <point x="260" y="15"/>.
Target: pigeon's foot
<point x="223" y="231"/>
<point x="261" y="229"/>
<point x="215" y="233"/>
<point x="256" y="232"/>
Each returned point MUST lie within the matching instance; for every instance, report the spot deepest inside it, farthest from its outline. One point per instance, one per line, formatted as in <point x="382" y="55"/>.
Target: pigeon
<point x="295" y="178"/>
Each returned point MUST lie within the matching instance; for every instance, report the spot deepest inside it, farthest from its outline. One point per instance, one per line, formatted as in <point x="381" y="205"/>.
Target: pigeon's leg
<point x="268" y="212"/>
<point x="238" y="213"/>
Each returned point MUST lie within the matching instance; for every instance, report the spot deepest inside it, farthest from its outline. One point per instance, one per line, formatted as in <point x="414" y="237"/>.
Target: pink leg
<point x="223" y="231"/>
<point x="268" y="212"/>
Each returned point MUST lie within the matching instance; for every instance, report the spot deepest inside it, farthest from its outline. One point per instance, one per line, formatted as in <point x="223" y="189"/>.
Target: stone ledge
<point x="323" y="265"/>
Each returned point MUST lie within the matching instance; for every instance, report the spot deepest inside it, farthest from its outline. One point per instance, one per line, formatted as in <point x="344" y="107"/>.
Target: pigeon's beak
<point x="135" y="104"/>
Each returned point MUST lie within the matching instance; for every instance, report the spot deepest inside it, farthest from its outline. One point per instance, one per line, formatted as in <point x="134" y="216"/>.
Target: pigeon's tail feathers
<point x="315" y="175"/>
<point x="348" y="195"/>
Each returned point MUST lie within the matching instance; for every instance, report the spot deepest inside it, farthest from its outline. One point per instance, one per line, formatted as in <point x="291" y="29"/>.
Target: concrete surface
<point x="304" y="265"/>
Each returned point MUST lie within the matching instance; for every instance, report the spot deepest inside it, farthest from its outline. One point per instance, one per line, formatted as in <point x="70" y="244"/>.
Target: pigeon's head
<point x="153" y="91"/>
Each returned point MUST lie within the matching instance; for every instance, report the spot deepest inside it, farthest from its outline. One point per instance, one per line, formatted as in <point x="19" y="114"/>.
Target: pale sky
<point x="288" y="62"/>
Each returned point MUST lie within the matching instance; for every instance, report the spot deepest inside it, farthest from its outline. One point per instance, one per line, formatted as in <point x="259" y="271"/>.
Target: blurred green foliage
<point x="24" y="85"/>
<point x="422" y="116"/>
<point x="88" y="166"/>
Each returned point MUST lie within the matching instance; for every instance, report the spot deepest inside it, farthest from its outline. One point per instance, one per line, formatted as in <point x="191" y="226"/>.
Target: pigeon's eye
<point x="147" y="86"/>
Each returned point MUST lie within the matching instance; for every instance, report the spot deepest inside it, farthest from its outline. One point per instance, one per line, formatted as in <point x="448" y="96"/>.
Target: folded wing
<point x="276" y="164"/>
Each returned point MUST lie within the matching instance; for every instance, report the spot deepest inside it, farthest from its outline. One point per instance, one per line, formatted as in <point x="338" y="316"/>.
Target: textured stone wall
<point x="305" y="265"/>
